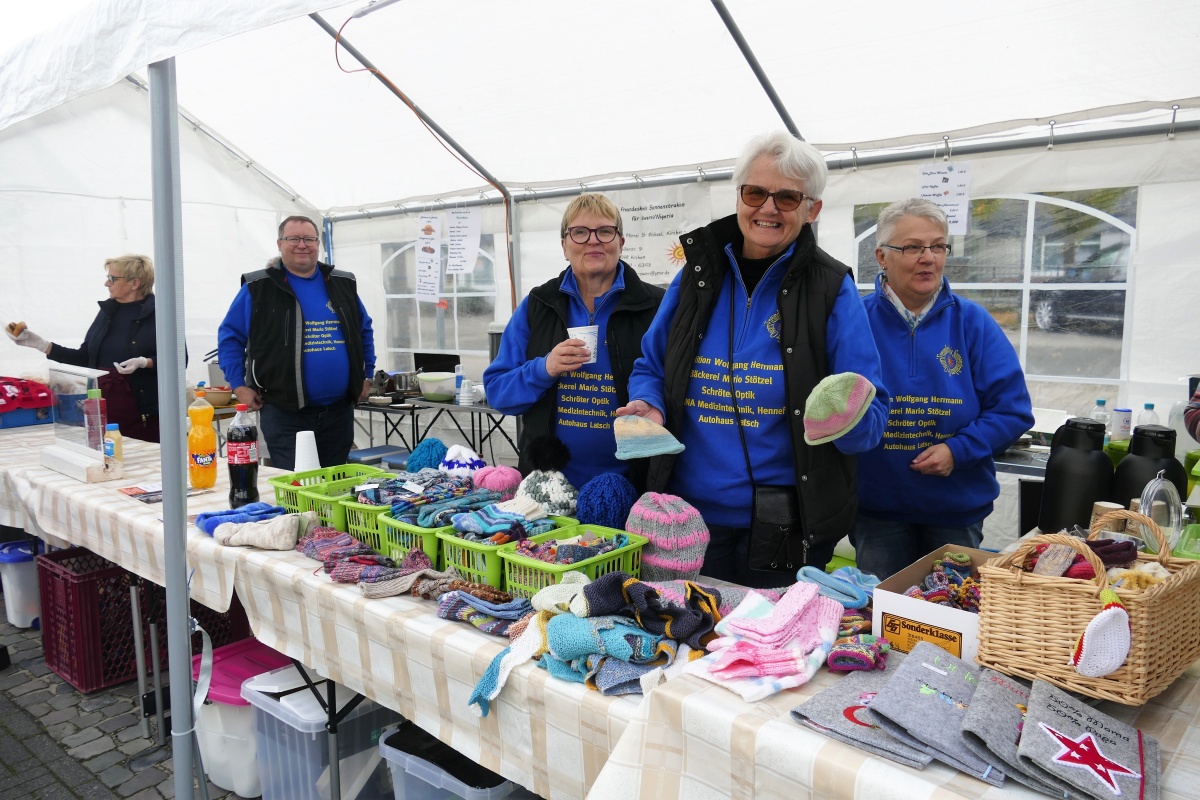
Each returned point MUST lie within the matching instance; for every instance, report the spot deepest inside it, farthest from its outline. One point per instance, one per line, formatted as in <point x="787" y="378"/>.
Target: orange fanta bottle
<point x="202" y="444"/>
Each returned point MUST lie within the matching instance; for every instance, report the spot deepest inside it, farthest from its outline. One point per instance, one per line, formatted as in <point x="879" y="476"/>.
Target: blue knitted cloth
<point x="208" y="521"/>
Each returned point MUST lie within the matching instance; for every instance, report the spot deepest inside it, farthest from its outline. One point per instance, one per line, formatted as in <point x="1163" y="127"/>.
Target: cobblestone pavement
<point x="56" y="742"/>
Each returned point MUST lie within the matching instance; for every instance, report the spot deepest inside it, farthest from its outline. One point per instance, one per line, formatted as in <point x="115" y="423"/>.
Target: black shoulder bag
<point x="776" y="533"/>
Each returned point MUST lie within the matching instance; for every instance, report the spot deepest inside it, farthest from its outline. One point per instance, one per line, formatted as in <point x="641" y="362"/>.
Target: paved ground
<point x="56" y="743"/>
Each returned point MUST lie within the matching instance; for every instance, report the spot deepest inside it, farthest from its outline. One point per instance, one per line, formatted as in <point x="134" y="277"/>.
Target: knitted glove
<point x="278" y="533"/>
<point x="26" y="337"/>
<point x="131" y="365"/>
<point x="208" y="521"/>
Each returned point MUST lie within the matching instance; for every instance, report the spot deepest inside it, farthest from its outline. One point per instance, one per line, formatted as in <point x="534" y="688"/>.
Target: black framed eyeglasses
<point x="298" y="239"/>
<point x="785" y="199"/>
<point x="918" y="250"/>
<point x="604" y="234"/>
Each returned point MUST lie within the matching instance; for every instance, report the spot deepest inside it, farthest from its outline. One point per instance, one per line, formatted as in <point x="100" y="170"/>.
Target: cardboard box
<point x="904" y="621"/>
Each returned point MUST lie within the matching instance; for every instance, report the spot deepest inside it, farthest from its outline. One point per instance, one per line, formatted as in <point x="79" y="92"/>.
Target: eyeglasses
<point x="298" y="239"/>
<point x="114" y="278"/>
<point x="785" y="199"/>
<point x="918" y="250"/>
<point x="604" y="234"/>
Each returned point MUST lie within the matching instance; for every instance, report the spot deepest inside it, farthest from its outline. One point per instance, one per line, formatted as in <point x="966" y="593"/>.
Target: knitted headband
<point x="677" y="537"/>
<point x="835" y="406"/>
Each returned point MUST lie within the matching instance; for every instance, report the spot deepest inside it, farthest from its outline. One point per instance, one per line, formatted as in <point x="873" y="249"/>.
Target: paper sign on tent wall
<point x="655" y="218"/>
<point x="462" y="249"/>
<point x="948" y="186"/>
<point x="429" y="259"/>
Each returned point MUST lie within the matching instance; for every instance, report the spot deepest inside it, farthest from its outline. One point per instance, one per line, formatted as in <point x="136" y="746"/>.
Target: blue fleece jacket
<point x="954" y="380"/>
<point x="586" y="397"/>
<point x="711" y="472"/>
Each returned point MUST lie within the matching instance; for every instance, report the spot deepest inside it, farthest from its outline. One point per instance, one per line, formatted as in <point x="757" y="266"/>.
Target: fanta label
<point x="204" y="459"/>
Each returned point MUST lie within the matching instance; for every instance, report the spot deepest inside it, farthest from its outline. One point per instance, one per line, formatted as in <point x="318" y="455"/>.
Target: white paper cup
<point x="590" y="334"/>
<point x="306" y="452"/>
<point x="1122" y="424"/>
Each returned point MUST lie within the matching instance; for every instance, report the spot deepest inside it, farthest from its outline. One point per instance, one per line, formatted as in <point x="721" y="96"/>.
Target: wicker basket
<point x="1029" y="624"/>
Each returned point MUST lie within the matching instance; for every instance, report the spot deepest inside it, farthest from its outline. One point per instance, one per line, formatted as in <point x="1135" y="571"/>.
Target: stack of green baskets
<point x="525" y="577"/>
<point x="288" y="487"/>
<point x="397" y="538"/>
<point x="362" y="522"/>
<point x="480" y="562"/>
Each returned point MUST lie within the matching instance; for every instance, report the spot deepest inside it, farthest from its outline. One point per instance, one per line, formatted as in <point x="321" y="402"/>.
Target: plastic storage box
<point x="18" y="575"/>
<point x="293" y="745"/>
<point x="423" y="768"/>
<point x="225" y="728"/>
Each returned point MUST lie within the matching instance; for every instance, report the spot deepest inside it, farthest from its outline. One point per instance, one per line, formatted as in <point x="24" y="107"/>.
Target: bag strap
<point x="732" y="388"/>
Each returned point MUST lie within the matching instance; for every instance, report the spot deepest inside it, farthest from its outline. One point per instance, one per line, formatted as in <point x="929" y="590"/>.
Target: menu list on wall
<point x="429" y="258"/>
<point x="948" y="185"/>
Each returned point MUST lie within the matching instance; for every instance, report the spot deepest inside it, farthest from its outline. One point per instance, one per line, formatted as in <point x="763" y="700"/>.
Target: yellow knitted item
<point x="1133" y="579"/>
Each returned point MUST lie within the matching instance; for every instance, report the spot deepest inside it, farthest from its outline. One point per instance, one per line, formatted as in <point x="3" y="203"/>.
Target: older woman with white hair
<point x="753" y="322"/>
<point x="958" y="396"/>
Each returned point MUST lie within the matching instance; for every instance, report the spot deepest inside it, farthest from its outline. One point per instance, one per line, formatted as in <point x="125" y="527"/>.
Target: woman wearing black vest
<point x="756" y="317"/>
<point x="553" y="379"/>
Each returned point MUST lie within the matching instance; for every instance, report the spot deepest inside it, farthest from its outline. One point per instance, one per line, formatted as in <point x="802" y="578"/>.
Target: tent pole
<point x="744" y="46"/>
<point x="445" y="137"/>
<point x="169" y="362"/>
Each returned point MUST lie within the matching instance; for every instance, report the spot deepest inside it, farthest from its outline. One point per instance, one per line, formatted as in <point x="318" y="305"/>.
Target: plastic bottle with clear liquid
<point x="1148" y="415"/>
<point x="202" y="444"/>
<point x="1100" y="414"/>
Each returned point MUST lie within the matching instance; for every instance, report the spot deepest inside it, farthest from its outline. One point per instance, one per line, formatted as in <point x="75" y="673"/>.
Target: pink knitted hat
<point x="499" y="478"/>
<point x="835" y="406"/>
<point x="677" y="533"/>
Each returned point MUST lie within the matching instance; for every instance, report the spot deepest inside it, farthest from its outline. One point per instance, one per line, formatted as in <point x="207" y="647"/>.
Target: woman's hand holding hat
<point x="20" y="333"/>
<point x="641" y="408"/>
<point x="131" y="365"/>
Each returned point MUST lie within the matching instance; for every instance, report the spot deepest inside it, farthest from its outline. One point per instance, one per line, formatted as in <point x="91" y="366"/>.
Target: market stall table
<point x="483" y="422"/>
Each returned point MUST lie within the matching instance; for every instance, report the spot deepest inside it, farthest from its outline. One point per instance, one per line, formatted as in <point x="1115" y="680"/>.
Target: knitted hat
<point x="638" y="437"/>
<point x="500" y="478"/>
<point x="677" y="533"/>
<point x="606" y="500"/>
<point x="551" y="490"/>
<point x="1104" y="645"/>
<point x="461" y="461"/>
<point x="835" y="406"/>
<point x="429" y="453"/>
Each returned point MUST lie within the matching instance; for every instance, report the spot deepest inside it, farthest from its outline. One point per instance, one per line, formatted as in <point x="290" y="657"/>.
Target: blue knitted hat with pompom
<point x="429" y="453"/>
<point x="605" y="500"/>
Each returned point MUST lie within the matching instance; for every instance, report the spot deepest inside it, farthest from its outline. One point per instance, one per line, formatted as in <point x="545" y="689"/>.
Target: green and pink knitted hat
<point x="835" y="406"/>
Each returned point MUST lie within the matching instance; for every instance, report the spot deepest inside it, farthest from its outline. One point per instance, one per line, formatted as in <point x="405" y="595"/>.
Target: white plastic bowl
<point x="437" y="387"/>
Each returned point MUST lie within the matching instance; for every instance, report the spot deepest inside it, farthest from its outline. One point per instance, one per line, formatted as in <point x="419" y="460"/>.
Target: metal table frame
<point x="485" y="423"/>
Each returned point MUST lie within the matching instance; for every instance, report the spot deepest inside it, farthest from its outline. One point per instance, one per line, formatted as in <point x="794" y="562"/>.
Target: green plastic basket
<point x="362" y="521"/>
<point x="287" y="487"/>
<point x="525" y="577"/>
<point x="397" y="538"/>
<point x="326" y="500"/>
<point x="479" y="561"/>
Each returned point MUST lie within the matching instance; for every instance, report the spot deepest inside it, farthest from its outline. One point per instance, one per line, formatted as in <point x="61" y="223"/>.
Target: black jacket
<point x="548" y="311"/>
<point x="143" y="382"/>
<point x="274" y="357"/>
<point x="825" y="478"/>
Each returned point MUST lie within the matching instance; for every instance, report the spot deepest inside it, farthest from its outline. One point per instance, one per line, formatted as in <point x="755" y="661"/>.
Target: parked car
<point x="1102" y="310"/>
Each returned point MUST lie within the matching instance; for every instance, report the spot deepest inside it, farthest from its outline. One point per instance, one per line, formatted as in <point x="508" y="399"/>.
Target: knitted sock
<point x="860" y="652"/>
<point x="849" y="594"/>
<point x="278" y="533"/>
<point x="914" y="592"/>
<point x="753" y="606"/>
<point x="208" y="521"/>
<point x="780" y="626"/>
<point x="451" y="605"/>
<point x="1104" y="645"/>
<point x="853" y="623"/>
<point x="958" y="563"/>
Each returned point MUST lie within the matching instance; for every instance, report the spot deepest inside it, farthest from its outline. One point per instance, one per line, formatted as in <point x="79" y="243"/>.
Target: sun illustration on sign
<point x="676" y="254"/>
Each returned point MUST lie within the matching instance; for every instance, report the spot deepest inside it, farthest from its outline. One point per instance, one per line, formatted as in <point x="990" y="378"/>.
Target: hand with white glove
<point x="25" y="337"/>
<point x="131" y="365"/>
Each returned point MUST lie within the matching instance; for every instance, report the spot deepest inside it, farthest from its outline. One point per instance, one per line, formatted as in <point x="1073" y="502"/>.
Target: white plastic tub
<point x="19" y="577"/>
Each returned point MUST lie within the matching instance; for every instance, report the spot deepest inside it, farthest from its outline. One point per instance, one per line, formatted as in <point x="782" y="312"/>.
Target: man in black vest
<point x="297" y="345"/>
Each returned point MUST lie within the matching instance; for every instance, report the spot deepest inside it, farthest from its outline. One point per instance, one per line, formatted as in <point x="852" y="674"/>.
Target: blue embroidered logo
<point x="950" y="360"/>
<point x="772" y="325"/>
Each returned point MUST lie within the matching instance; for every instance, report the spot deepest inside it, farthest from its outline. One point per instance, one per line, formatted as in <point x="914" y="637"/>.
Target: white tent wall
<point x="75" y="190"/>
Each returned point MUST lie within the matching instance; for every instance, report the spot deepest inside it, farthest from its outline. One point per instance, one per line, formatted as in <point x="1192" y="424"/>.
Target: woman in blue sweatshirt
<point x="958" y="396"/>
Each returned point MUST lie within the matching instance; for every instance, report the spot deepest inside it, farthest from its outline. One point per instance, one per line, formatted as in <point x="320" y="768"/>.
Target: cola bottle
<point x="241" y="448"/>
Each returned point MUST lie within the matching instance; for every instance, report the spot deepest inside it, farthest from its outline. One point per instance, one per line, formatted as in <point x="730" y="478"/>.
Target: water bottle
<point x="241" y="448"/>
<point x="1148" y="416"/>
<point x="1100" y="414"/>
